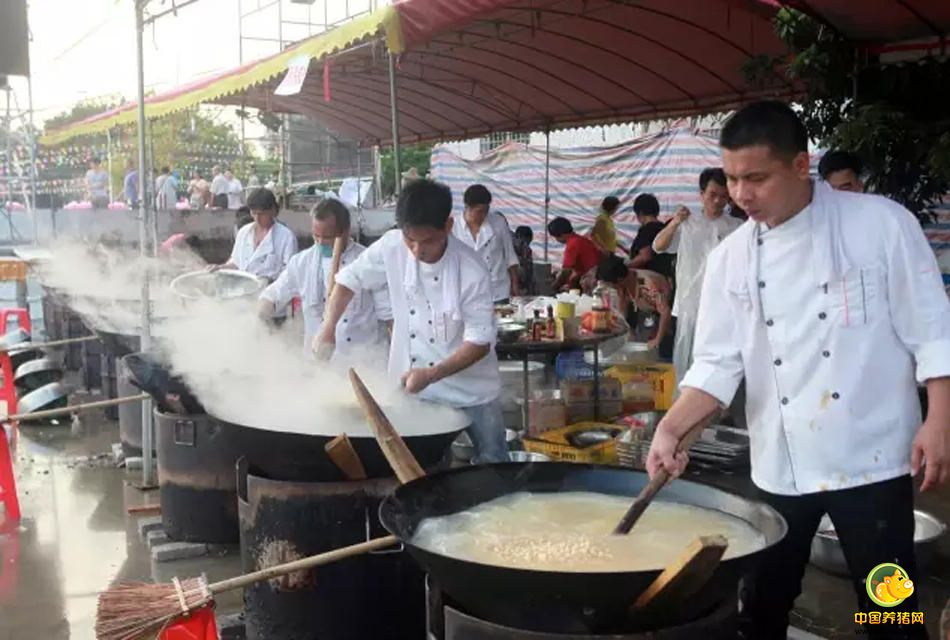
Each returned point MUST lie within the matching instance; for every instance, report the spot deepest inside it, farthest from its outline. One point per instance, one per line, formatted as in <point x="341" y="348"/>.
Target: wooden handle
<point x="25" y="346"/>
<point x="660" y="479"/>
<point x="73" y="408"/>
<point x="339" y="247"/>
<point x="402" y="461"/>
<point x="344" y="456"/>
<point x="299" y="565"/>
<point x="685" y="576"/>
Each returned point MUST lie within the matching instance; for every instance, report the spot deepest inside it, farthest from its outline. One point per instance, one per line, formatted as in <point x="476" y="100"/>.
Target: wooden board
<point x="683" y="578"/>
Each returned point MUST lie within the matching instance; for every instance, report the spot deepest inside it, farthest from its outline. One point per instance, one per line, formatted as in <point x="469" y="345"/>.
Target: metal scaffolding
<point x="18" y="174"/>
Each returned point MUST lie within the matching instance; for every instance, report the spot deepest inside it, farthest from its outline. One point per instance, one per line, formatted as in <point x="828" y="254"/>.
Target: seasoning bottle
<point x="551" y="325"/>
<point x="537" y="327"/>
<point x="600" y="320"/>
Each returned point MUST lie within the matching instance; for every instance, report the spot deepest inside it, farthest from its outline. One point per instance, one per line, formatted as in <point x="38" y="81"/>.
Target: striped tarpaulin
<point x="666" y="164"/>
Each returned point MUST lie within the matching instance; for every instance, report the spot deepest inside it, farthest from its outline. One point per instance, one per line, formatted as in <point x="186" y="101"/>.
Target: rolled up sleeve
<point x="367" y="272"/>
<point x="919" y="307"/>
<point x="717" y="356"/>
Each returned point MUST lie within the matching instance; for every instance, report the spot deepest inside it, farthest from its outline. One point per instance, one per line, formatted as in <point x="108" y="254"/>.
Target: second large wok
<point x="556" y="601"/>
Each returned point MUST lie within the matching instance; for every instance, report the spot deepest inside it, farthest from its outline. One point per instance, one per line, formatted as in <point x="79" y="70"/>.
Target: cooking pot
<point x="296" y="454"/>
<point x="49" y="396"/>
<point x="557" y="601"/>
<point x="36" y="373"/>
<point x="826" y="552"/>
<point x="19" y="338"/>
<point x="221" y="284"/>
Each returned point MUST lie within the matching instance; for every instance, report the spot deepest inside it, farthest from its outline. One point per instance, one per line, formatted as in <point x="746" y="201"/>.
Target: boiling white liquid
<point x="572" y="532"/>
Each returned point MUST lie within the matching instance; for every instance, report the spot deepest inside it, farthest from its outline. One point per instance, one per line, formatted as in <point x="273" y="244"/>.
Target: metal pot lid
<point x="36" y="366"/>
<point x="15" y="337"/>
<point x="221" y="284"/>
<point x="45" y="395"/>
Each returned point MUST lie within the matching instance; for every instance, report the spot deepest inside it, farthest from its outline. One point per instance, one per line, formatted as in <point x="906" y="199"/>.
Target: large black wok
<point x="300" y="457"/>
<point x="554" y="601"/>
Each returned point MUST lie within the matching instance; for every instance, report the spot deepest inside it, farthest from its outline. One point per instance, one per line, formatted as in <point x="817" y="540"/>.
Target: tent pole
<point x="394" y="107"/>
<point x="144" y="244"/>
<point x="109" y="162"/>
<point x="33" y="174"/>
<point x="547" y="187"/>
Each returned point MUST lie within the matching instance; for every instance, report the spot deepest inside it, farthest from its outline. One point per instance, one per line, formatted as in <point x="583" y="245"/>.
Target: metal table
<point x="523" y="349"/>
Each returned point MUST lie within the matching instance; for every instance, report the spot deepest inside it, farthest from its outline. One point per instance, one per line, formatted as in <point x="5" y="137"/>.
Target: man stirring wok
<point x="831" y="305"/>
<point x="443" y="323"/>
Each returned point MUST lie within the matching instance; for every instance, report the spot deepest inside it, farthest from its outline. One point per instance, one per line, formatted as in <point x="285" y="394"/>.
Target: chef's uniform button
<point x="769" y="323"/>
<point x="412" y="312"/>
<point x="413" y="360"/>
<point x="761" y="284"/>
<point x="437" y="278"/>
<point x="345" y="320"/>
<point x="349" y="339"/>
<point x="760" y="241"/>
<point x="431" y="340"/>
<point x="412" y="336"/>
<point x="826" y="354"/>
<point x="778" y="362"/>
<point x="835" y="396"/>
<point x="431" y="364"/>
<point x="784" y="400"/>
<point x="822" y="315"/>
<point x="430" y="322"/>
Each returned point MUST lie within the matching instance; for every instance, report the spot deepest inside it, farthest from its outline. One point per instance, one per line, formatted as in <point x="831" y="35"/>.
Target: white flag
<point x="296" y="74"/>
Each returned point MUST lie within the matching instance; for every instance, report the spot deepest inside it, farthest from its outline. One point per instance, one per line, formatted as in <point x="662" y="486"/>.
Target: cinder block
<point x="151" y="523"/>
<point x="178" y="551"/>
<point x="231" y="626"/>
<point x="133" y="463"/>
<point x="156" y="537"/>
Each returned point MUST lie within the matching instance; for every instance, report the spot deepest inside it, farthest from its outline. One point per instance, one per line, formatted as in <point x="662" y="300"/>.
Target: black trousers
<point x="875" y="524"/>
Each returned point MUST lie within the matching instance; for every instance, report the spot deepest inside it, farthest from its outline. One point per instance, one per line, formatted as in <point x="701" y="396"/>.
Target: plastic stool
<point x="8" y="496"/>
<point x="22" y="316"/>
<point x="8" y="398"/>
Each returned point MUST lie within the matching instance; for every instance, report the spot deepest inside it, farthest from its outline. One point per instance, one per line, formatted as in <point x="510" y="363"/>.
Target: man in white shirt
<point x="831" y="305"/>
<point x="220" y="186"/>
<point x="235" y="191"/>
<point x="488" y="234"/>
<point x="166" y="190"/>
<point x="307" y="276"/>
<point x="842" y="170"/>
<point x="443" y="323"/>
<point x="692" y="238"/>
<point x="264" y="247"/>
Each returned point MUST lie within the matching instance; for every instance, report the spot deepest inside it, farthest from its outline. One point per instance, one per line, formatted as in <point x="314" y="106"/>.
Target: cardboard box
<point x="545" y="414"/>
<point x="641" y="381"/>
<point x="577" y="391"/>
<point x="556" y="445"/>
<point x="584" y="411"/>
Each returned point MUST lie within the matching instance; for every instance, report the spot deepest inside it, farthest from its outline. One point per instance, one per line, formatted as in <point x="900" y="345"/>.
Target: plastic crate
<point x="570" y="366"/>
<point x="555" y="444"/>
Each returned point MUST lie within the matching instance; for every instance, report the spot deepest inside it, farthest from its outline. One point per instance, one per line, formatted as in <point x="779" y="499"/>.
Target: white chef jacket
<point x="435" y="309"/>
<point x="692" y="242"/>
<point x="828" y="316"/>
<point x="495" y="247"/>
<point x="270" y="257"/>
<point x="308" y="276"/>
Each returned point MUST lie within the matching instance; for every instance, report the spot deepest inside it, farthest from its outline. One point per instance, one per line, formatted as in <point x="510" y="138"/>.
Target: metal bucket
<point x="377" y="595"/>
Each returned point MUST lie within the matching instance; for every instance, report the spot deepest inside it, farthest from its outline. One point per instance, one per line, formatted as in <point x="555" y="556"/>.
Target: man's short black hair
<point x="839" y="160"/>
<point x="166" y="170"/>
<point x="560" y="227"/>
<point x="332" y="208"/>
<point x="524" y="233"/>
<point x="769" y="123"/>
<point x="262" y="200"/>
<point x="612" y="269"/>
<point x="610" y="204"/>
<point x="477" y="194"/>
<point x="712" y="174"/>
<point x="646" y="204"/>
<point x="424" y="203"/>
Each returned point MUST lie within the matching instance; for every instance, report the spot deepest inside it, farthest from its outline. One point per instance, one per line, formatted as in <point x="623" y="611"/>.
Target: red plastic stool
<point x="200" y="625"/>
<point x="8" y="497"/>
<point x="22" y="316"/>
<point x="8" y="398"/>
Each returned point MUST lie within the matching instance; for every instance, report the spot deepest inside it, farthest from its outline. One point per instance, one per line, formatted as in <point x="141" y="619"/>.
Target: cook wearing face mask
<point x="307" y="277"/>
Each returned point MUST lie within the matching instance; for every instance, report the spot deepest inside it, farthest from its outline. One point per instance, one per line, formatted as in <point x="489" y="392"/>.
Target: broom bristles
<point x="138" y="610"/>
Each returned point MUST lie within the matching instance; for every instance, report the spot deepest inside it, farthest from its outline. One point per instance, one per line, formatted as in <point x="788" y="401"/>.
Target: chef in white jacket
<point x="443" y="324"/>
<point x="263" y="247"/>
<point x="307" y="276"/>
<point x="488" y="234"/>
<point x="831" y="305"/>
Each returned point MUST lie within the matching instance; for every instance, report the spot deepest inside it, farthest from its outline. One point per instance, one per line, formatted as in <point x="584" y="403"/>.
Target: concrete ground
<point x="76" y="538"/>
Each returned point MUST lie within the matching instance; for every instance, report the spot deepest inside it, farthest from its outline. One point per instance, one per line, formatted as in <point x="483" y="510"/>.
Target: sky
<point x="86" y="48"/>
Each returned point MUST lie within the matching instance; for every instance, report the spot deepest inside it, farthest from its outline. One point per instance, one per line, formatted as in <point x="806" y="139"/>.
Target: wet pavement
<point x="77" y="537"/>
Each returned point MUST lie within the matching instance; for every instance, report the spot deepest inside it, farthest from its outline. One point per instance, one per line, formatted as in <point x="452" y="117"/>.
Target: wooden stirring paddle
<point x="657" y="482"/>
<point x="402" y="461"/>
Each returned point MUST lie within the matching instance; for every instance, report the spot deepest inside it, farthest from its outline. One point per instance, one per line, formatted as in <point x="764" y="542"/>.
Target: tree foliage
<point x="893" y="116"/>
<point x="419" y="157"/>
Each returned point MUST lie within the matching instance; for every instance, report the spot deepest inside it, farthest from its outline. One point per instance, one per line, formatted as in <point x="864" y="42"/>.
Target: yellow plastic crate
<point x="661" y="376"/>
<point x="555" y="444"/>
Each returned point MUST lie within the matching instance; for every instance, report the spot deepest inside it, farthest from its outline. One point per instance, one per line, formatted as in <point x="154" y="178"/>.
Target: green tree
<point x="419" y="156"/>
<point x="892" y="115"/>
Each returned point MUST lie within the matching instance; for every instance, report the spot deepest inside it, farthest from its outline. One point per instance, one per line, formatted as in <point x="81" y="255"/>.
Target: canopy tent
<point x="470" y="68"/>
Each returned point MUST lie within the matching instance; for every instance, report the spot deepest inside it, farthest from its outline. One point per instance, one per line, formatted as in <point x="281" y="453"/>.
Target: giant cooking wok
<point x="556" y="601"/>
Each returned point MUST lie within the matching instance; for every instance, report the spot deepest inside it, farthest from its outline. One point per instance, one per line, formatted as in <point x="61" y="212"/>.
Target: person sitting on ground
<point x="581" y="255"/>
<point x="604" y="232"/>
<point x="842" y="171"/>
